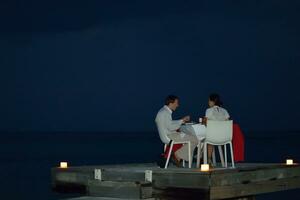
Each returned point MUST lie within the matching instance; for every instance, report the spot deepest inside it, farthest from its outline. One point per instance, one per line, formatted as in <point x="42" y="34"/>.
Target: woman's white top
<point x="216" y="113"/>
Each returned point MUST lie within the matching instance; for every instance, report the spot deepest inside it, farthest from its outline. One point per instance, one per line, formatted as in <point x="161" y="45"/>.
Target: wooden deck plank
<point x="240" y="190"/>
<point x="253" y="175"/>
<point x="181" y="180"/>
<point x="246" y="179"/>
<point x="132" y="190"/>
<point x="100" y="198"/>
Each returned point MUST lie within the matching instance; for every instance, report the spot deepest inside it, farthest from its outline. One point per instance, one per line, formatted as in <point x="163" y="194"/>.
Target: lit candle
<point x="63" y="165"/>
<point x="205" y="167"/>
<point x="200" y="120"/>
<point x="289" y="161"/>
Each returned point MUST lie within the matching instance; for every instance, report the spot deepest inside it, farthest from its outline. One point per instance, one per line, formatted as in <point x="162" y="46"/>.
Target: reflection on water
<point x="26" y="158"/>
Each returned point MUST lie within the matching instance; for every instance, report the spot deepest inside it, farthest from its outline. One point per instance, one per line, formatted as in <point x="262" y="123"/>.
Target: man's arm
<point x="173" y="125"/>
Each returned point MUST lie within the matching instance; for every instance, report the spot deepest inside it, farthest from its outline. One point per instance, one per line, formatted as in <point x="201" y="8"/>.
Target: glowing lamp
<point x="205" y="167"/>
<point x="63" y="165"/>
<point x="289" y="162"/>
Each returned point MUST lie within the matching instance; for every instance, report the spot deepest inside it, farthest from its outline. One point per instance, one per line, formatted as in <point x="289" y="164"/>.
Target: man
<point x="168" y="128"/>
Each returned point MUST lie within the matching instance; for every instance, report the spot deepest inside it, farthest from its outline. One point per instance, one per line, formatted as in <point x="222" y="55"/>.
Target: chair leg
<point x="190" y="155"/>
<point x="225" y="155"/>
<point x="221" y="155"/>
<point x="198" y="154"/>
<point x="231" y="151"/>
<point x="214" y="156"/>
<point x="169" y="155"/>
<point x="205" y="153"/>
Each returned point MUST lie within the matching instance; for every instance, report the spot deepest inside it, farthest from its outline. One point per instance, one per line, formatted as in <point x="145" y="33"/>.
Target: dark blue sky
<point x="94" y="66"/>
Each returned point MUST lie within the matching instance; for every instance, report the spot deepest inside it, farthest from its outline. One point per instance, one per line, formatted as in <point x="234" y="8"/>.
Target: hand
<point x="204" y="120"/>
<point x="186" y="118"/>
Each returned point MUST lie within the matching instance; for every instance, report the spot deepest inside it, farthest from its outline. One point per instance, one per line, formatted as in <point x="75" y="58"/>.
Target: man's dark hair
<point x="170" y="99"/>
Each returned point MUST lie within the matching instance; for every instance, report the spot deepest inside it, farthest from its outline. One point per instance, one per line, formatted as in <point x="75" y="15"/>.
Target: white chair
<point x="200" y="152"/>
<point x="166" y="140"/>
<point x="219" y="133"/>
<point x="170" y="152"/>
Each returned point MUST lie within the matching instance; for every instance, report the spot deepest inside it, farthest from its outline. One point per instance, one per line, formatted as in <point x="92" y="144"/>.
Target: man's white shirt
<point x="165" y="124"/>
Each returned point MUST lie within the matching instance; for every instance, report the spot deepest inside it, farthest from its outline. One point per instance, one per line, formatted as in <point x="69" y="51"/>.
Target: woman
<point x="215" y="112"/>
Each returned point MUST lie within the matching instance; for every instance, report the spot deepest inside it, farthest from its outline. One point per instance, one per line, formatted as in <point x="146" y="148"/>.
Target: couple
<point x="169" y="129"/>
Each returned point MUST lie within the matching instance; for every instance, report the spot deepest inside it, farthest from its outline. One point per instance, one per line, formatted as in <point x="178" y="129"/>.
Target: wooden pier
<point x="147" y="181"/>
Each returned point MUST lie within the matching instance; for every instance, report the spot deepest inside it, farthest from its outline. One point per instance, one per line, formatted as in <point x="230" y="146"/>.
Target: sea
<point x="26" y="158"/>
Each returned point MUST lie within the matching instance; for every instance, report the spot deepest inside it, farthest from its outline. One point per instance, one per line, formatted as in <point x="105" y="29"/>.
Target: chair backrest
<point x="218" y="132"/>
<point x="163" y="136"/>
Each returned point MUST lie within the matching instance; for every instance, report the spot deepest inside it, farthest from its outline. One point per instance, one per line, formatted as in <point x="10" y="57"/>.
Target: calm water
<point x="26" y="158"/>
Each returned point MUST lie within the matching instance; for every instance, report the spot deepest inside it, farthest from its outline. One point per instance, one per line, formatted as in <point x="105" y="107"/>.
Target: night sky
<point x="108" y="65"/>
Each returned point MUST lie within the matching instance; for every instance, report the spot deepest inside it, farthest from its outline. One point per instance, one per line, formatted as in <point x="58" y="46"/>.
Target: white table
<point x="199" y="130"/>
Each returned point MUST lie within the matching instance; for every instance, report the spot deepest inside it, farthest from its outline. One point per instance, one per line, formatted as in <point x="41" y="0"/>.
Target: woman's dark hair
<point x="216" y="99"/>
<point x="170" y="99"/>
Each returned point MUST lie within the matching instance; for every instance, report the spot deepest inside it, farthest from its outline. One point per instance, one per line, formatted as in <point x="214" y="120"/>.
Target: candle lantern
<point x="289" y="162"/>
<point x="63" y="165"/>
<point x="205" y="167"/>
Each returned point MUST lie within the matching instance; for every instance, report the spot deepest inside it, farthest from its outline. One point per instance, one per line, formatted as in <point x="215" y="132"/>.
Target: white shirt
<point x="165" y="124"/>
<point x="216" y="113"/>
